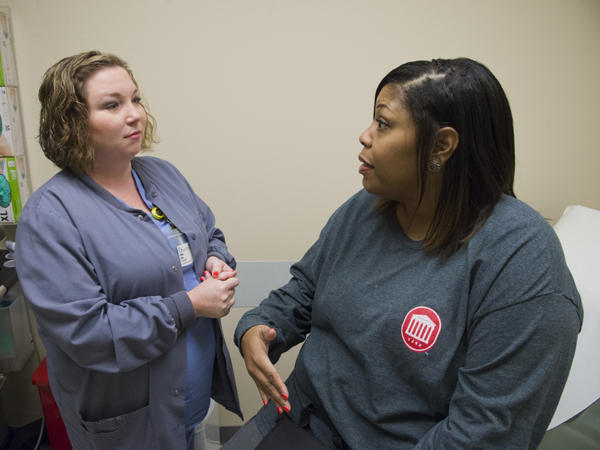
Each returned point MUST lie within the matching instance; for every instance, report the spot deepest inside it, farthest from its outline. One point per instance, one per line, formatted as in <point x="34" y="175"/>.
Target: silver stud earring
<point x="434" y="165"/>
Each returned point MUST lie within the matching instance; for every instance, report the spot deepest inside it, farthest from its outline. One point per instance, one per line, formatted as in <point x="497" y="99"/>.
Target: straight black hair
<point x="465" y="95"/>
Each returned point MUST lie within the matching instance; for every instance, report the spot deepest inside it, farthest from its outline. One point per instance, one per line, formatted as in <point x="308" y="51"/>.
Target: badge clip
<point x="158" y="214"/>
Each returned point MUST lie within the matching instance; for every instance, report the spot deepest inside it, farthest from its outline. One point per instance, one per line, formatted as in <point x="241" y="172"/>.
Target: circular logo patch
<point x="421" y="328"/>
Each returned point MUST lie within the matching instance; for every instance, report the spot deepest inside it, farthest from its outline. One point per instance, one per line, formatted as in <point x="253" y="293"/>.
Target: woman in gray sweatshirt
<point x="436" y="309"/>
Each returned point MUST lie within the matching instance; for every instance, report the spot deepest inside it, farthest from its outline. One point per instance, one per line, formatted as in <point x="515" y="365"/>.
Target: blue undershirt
<point x="200" y="333"/>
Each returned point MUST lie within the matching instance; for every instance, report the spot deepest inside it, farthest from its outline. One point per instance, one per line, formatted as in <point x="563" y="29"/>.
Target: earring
<point x="434" y="165"/>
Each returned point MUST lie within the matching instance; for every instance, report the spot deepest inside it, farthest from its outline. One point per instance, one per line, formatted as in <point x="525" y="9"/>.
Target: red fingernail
<point x="287" y="408"/>
<point x="279" y="410"/>
<point x="202" y="279"/>
<point x="205" y="273"/>
<point x="216" y="274"/>
<point x="284" y="396"/>
<point x="265" y="402"/>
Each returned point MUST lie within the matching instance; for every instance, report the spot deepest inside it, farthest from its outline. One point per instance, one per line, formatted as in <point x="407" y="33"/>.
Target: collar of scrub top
<point x="154" y="210"/>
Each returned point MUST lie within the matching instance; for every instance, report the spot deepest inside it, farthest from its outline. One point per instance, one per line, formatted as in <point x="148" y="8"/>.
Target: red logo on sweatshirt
<point x="421" y="328"/>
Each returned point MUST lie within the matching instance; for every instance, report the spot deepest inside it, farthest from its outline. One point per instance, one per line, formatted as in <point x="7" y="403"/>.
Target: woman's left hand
<point x="215" y="268"/>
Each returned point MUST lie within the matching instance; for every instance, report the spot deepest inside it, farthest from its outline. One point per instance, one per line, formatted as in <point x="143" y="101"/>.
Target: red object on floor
<point x="57" y="433"/>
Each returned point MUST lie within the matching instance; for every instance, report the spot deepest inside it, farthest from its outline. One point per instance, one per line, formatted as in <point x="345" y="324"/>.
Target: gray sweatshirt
<point x="405" y="352"/>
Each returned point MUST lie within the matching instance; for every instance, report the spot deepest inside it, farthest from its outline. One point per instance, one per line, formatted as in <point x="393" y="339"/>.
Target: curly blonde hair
<point x="64" y="117"/>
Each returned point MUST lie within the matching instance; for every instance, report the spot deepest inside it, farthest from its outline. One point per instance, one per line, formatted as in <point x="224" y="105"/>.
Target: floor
<point x="581" y="432"/>
<point x="26" y="438"/>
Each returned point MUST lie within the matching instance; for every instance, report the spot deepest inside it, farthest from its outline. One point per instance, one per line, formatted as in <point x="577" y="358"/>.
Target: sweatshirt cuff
<point x="246" y="322"/>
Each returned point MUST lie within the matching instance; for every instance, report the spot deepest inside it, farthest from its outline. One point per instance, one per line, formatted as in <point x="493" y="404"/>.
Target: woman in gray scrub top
<point x="125" y="270"/>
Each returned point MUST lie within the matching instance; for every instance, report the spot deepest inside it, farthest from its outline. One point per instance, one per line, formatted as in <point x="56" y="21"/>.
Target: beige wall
<point x="260" y="103"/>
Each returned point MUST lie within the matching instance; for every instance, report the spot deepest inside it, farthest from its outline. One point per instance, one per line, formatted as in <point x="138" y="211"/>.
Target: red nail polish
<point x="265" y="402"/>
<point x="279" y="410"/>
<point x="201" y="278"/>
<point x="216" y="274"/>
<point x="205" y="273"/>
<point x="284" y="396"/>
<point x="287" y="408"/>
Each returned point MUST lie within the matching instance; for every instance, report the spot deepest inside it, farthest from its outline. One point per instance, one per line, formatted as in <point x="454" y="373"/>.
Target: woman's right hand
<point x="214" y="296"/>
<point x="255" y="348"/>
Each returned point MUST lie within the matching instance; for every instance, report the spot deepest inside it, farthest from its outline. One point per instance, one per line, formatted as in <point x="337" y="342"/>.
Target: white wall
<point x="260" y="103"/>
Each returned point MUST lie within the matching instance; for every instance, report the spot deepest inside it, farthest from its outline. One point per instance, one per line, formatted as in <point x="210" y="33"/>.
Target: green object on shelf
<point x="1" y="73"/>
<point x="5" y="192"/>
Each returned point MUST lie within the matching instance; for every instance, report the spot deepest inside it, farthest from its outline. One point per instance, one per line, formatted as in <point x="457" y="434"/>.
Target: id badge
<point x="181" y="245"/>
<point x="185" y="254"/>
